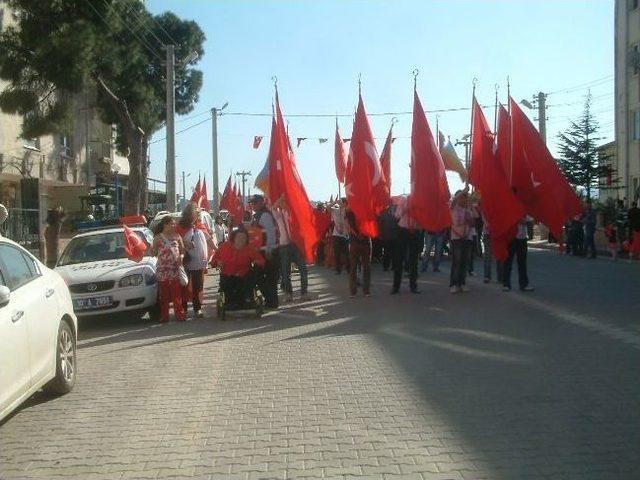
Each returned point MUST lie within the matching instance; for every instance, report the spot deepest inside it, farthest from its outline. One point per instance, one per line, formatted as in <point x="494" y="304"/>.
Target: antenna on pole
<point x="359" y="83"/>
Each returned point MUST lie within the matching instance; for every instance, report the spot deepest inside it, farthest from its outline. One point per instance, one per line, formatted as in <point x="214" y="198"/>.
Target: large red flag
<point x="385" y="158"/>
<point x="367" y="191"/>
<point x="538" y="181"/>
<point x="285" y="181"/>
<point x="226" y="202"/>
<point x="500" y="206"/>
<point x="503" y="142"/>
<point x="203" y="201"/>
<point x="429" y="199"/>
<point x="340" y="155"/>
<point x="197" y="192"/>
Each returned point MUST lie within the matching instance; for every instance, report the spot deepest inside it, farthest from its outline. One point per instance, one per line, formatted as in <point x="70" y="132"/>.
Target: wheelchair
<point x="239" y="297"/>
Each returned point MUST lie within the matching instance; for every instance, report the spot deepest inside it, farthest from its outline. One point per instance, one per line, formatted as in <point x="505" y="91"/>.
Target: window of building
<point x="635" y="59"/>
<point x="633" y="4"/>
<point x="635" y="125"/>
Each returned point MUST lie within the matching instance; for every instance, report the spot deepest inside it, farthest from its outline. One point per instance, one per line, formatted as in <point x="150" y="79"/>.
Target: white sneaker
<point x="199" y="314"/>
<point x="453" y="289"/>
<point x="464" y="288"/>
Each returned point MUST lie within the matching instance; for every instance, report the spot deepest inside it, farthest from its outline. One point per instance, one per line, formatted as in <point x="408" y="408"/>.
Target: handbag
<point x="182" y="276"/>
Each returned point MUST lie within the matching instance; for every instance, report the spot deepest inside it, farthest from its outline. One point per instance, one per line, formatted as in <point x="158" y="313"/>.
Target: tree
<point x="578" y="147"/>
<point x="59" y="48"/>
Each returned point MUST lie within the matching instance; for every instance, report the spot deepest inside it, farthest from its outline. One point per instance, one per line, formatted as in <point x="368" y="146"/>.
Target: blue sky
<point x="317" y="49"/>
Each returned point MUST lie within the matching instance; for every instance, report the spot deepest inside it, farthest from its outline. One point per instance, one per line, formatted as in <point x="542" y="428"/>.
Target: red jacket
<point x="236" y="262"/>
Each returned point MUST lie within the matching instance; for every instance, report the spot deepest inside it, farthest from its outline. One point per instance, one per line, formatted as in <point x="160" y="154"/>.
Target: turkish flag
<point x="503" y="142"/>
<point x="539" y="183"/>
<point x="134" y="246"/>
<point x="429" y="199"/>
<point x="367" y="191"/>
<point x="285" y="181"/>
<point x="500" y="206"/>
<point x="340" y="155"/>
<point x="256" y="141"/>
<point x="197" y="192"/>
<point x="203" y="201"/>
<point x="226" y="200"/>
<point x="385" y="158"/>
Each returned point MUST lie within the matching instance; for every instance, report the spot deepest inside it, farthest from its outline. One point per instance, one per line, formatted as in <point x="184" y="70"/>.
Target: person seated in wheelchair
<point x="238" y="262"/>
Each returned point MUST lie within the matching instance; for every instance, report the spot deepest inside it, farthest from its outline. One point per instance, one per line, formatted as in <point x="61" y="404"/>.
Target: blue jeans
<point x="291" y="254"/>
<point x="432" y="241"/>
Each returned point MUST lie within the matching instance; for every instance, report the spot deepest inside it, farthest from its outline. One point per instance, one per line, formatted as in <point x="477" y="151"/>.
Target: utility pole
<point x="243" y="174"/>
<point x="466" y="142"/>
<point x="214" y="145"/>
<point x="171" y="146"/>
<point x="184" y="186"/>
<point x="542" y="115"/>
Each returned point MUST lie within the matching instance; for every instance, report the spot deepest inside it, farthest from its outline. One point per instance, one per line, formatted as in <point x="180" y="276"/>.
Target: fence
<point x="23" y="227"/>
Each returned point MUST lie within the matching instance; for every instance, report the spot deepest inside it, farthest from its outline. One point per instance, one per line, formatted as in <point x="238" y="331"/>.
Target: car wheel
<point x="66" y="366"/>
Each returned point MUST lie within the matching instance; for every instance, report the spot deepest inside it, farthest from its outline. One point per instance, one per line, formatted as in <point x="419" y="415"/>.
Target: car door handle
<point x="49" y="292"/>
<point x="17" y="316"/>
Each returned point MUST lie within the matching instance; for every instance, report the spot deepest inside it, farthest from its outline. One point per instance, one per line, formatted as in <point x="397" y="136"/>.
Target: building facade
<point x="54" y="170"/>
<point x="627" y="97"/>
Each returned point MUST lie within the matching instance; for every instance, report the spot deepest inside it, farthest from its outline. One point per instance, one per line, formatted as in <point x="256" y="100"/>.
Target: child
<point x="612" y="240"/>
<point x="167" y="246"/>
<point x="234" y="258"/>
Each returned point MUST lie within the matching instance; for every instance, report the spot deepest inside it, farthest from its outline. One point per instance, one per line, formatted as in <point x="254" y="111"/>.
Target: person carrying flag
<point x="268" y="281"/>
<point x="359" y="255"/>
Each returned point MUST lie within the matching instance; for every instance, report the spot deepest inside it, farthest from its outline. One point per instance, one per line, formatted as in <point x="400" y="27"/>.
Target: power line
<point x="142" y="21"/>
<point x="149" y="48"/>
<point x="183" y="130"/>
<point x="592" y="83"/>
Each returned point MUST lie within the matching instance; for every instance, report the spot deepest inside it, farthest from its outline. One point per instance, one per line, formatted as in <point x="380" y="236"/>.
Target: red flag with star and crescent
<point x="429" y="198"/>
<point x="501" y="208"/>
<point x="285" y="181"/>
<point x="536" y="176"/>
<point x="366" y="188"/>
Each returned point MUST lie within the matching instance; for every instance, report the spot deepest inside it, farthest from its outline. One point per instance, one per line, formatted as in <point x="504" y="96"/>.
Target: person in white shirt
<point x="289" y="252"/>
<point x="407" y="248"/>
<point x="340" y="235"/>
<point x="268" y="281"/>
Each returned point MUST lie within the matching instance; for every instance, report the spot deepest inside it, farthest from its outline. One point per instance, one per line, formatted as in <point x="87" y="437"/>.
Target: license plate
<point x="95" y="302"/>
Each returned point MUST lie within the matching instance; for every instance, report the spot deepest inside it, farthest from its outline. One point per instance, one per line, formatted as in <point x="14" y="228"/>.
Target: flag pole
<point x="510" y="133"/>
<point x="495" y="111"/>
<point x="469" y="148"/>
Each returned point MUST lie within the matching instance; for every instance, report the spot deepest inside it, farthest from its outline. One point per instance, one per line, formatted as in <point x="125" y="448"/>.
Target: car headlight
<point x="131" y="280"/>
<point x="150" y="278"/>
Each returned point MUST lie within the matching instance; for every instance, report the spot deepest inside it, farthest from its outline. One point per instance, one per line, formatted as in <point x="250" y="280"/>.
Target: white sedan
<point x="102" y="280"/>
<point x="38" y="329"/>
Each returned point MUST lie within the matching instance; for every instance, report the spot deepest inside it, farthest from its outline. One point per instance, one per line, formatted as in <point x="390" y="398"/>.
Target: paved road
<point x="485" y="385"/>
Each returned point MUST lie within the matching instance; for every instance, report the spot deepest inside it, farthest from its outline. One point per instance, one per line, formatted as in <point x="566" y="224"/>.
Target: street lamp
<point x="526" y="103"/>
<point x="214" y="150"/>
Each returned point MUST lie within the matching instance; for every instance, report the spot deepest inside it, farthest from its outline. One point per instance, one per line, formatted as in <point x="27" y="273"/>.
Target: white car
<point x="205" y="217"/>
<point x="38" y="329"/>
<point x="102" y="280"/>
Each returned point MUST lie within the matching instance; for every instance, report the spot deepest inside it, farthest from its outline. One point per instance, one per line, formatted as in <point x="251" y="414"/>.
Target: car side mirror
<point x="5" y="295"/>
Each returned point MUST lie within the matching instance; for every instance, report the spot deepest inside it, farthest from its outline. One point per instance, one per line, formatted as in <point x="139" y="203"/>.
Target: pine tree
<point x="578" y="147"/>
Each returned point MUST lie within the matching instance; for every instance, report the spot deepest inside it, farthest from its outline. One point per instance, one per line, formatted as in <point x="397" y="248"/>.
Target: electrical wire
<point x="146" y="45"/>
<point x="586" y="85"/>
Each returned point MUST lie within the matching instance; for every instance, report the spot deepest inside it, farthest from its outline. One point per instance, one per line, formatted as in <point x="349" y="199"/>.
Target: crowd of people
<point x="261" y="252"/>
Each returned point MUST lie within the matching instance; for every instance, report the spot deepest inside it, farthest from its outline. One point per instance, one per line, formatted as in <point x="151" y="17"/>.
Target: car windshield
<point x="93" y="248"/>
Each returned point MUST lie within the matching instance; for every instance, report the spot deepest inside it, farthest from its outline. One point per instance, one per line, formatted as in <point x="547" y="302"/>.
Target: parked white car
<point x="38" y="329"/>
<point x="102" y="280"/>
